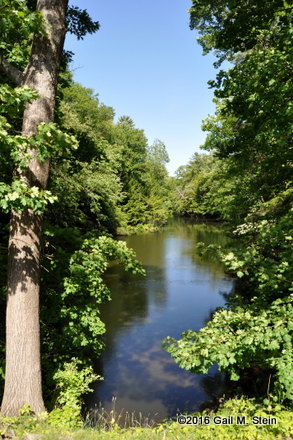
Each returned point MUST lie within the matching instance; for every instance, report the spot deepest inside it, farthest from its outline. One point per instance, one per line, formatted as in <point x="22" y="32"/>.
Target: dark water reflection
<point x="180" y="292"/>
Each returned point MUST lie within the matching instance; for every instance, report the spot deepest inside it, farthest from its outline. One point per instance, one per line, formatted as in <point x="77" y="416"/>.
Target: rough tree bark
<point x="23" y="382"/>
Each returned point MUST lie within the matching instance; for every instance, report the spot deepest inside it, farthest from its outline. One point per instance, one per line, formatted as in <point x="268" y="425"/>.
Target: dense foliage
<point x="246" y="179"/>
<point x="109" y="181"/>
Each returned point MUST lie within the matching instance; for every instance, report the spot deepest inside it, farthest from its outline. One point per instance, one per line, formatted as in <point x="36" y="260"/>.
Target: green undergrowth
<point x="43" y="427"/>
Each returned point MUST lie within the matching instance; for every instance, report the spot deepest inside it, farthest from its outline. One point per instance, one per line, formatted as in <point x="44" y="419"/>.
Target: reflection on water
<point x="180" y="292"/>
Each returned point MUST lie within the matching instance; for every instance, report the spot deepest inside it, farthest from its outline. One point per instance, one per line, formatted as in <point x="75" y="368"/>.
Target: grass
<point x="172" y="431"/>
<point x="102" y="420"/>
<point x="104" y="426"/>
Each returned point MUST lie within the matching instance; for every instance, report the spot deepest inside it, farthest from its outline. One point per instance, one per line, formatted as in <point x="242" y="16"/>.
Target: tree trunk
<point x="23" y="382"/>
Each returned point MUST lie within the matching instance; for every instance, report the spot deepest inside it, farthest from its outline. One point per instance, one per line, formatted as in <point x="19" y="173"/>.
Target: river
<point x="179" y="292"/>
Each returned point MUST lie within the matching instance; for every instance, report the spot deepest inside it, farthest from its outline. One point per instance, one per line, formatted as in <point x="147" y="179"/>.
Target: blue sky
<point x="145" y="63"/>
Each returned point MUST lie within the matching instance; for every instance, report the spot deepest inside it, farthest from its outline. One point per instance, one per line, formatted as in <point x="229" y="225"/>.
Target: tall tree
<point x="23" y="366"/>
<point x="23" y="382"/>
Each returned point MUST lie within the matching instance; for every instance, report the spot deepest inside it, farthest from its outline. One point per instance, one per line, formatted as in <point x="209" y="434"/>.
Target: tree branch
<point x="10" y="71"/>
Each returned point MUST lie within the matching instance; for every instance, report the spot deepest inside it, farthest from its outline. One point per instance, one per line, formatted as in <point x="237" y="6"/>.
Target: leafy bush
<point x="71" y="384"/>
<point x="239" y="339"/>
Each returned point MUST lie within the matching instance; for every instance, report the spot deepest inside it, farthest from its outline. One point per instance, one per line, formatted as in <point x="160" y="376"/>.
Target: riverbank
<point x="138" y="229"/>
<point x="238" y="419"/>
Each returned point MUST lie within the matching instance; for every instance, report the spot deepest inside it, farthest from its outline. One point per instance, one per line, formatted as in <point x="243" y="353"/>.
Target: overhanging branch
<point x="10" y="71"/>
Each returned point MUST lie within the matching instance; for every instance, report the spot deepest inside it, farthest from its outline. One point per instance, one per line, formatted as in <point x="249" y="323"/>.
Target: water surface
<point x="179" y="292"/>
